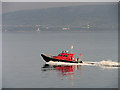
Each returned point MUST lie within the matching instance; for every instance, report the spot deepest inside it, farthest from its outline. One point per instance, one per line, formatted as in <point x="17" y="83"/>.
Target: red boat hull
<point x="49" y="58"/>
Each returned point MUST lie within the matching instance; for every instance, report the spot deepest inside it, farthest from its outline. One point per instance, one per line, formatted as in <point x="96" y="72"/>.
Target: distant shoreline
<point x="63" y="31"/>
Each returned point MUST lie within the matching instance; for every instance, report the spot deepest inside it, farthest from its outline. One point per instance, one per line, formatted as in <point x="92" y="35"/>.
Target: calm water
<point x="23" y="67"/>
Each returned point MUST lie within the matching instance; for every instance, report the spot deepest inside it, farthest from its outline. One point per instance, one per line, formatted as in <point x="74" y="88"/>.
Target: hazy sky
<point x="16" y="6"/>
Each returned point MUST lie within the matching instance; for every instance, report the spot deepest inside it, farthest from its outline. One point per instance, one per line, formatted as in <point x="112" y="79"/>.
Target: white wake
<point x="109" y="64"/>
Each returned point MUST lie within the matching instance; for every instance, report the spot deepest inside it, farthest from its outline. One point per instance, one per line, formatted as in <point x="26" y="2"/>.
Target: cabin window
<point x="63" y="55"/>
<point x="66" y="55"/>
<point x="59" y="55"/>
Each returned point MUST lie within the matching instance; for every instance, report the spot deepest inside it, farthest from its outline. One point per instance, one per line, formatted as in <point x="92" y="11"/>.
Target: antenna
<point x="71" y="48"/>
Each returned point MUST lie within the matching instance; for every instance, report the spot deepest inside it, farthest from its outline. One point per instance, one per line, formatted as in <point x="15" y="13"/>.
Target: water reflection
<point x="63" y="70"/>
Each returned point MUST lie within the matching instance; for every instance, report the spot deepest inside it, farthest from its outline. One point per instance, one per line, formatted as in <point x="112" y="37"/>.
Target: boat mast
<point x="71" y="48"/>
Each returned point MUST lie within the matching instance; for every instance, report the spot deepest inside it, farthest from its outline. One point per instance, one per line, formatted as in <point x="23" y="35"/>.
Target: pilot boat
<point x="64" y="56"/>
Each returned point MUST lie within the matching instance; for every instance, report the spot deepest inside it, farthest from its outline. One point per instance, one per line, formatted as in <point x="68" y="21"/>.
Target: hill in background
<point x="83" y="17"/>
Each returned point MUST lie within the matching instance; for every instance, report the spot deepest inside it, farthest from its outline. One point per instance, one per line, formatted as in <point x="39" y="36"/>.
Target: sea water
<point x="23" y="67"/>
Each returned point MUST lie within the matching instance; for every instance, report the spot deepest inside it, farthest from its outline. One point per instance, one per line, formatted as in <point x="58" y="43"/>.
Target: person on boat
<point x="80" y="58"/>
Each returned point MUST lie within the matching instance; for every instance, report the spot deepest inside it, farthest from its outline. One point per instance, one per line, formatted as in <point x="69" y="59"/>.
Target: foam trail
<point x="103" y="64"/>
<point x="108" y="64"/>
<point x="65" y="63"/>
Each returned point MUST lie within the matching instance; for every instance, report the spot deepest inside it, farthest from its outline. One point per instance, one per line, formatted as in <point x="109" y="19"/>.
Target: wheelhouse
<point x="65" y="55"/>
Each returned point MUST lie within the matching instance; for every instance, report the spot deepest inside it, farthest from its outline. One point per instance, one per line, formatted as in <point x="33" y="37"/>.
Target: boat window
<point x="63" y="55"/>
<point x="59" y="55"/>
<point x="66" y="55"/>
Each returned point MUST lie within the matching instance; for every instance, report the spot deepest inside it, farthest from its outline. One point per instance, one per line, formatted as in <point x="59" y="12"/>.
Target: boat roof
<point x="66" y="53"/>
